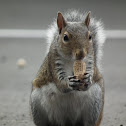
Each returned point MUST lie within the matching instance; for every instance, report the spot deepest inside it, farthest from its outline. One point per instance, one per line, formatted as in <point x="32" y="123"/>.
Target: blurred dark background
<point x="15" y="81"/>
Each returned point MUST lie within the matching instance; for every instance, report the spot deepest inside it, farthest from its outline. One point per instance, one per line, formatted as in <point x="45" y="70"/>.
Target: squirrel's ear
<point x="60" y="22"/>
<point x="87" y="20"/>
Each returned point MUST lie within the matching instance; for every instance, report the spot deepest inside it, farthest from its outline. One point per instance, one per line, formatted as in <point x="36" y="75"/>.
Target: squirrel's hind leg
<point x="39" y="115"/>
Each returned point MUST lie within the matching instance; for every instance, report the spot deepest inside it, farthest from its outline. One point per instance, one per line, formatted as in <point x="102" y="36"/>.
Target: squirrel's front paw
<point x="87" y="82"/>
<point x="74" y="83"/>
<point x="87" y="79"/>
<point x="82" y="84"/>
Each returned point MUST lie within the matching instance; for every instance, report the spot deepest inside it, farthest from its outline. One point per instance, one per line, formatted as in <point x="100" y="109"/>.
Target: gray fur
<point x="57" y="107"/>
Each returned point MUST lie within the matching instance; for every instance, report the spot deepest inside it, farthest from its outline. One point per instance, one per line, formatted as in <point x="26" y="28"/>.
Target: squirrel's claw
<point x="74" y="80"/>
<point x="71" y="77"/>
<point x="74" y="83"/>
<point x="87" y="79"/>
<point x="80" y="85"/>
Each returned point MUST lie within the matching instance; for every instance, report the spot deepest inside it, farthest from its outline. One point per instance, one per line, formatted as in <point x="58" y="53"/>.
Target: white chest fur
<point x="61" y="106"/>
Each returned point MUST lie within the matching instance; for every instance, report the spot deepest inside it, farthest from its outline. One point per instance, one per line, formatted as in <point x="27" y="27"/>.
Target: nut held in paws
<point x="79" y="68"/>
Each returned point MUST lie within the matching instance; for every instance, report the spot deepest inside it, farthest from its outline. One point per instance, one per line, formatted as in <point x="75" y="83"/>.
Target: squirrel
<point x="58" y="97"/>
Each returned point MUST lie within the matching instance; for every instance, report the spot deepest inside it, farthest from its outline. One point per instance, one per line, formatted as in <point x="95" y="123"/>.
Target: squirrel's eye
<point x="66" y="39"/>
<point x="90" y="37"/>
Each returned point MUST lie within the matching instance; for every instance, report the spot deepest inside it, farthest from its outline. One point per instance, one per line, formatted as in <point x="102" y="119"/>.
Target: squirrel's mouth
<point x="79" y="54"/>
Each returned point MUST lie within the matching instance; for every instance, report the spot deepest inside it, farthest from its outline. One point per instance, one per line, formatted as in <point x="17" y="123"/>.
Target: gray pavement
<point x="15" y="83"/>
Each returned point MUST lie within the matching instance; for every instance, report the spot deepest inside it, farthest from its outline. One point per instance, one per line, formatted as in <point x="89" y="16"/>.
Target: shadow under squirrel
<point x="58" y="98"/>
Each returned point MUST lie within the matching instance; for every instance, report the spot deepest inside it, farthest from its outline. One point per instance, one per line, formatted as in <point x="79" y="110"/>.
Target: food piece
<point x="79" y="68"/>
<point x="21" y="63"/>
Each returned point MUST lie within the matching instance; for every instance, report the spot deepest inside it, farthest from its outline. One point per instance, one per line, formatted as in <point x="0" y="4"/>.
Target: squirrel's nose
<point x="79" y="54"/>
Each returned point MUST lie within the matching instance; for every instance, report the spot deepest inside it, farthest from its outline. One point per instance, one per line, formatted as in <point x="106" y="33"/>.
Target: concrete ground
<point x="15" y="83"/>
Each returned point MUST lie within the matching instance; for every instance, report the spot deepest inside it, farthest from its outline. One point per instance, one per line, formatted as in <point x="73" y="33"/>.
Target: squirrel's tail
<point x="97" y="30"/>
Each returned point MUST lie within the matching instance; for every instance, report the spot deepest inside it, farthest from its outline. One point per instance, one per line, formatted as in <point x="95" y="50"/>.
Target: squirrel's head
<point x="74" y="38"/>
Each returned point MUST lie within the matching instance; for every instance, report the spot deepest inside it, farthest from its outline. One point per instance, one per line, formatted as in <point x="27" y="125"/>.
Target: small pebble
<point x="21" y="63"/>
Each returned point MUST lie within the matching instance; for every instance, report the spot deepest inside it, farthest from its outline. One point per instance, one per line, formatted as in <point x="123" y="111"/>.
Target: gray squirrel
<point x="56" y="98"/>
